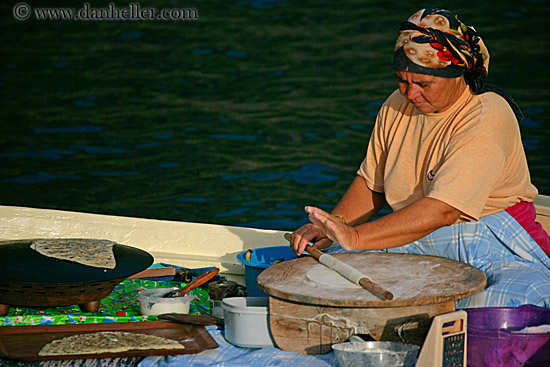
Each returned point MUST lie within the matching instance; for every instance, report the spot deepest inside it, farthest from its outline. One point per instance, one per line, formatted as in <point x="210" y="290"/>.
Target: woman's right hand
<point x="306" y="234"/>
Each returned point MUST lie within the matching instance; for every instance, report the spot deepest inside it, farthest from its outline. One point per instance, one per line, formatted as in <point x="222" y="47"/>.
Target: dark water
<point x="241" y="117"/>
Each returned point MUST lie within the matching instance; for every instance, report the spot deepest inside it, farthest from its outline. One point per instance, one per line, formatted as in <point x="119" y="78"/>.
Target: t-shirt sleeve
<point x="372" y="167"/>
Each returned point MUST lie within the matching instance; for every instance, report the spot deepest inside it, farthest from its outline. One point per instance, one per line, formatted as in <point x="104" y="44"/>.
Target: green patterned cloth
<point x="120" y="306"/>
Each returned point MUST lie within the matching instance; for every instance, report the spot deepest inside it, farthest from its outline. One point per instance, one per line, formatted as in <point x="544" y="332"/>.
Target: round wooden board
<point x="414" y="280"/>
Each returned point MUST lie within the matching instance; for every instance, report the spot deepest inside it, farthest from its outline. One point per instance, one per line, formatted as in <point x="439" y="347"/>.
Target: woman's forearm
<point x="359" y="204"/>
<point x="405" y="226"/>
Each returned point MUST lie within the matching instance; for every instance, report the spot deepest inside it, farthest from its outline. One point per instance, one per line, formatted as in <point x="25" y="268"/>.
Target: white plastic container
<point x="247" y="322"/>
<point x="152" y="303"/>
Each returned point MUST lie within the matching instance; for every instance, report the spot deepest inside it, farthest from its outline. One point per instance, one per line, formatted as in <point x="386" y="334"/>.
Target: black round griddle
<point x="29" y="279"/>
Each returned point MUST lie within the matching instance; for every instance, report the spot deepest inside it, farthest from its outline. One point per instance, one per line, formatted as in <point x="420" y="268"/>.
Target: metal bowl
<point x="376" y="354"/>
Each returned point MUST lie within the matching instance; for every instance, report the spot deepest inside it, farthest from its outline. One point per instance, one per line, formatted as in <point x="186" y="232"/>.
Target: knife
<point x="181" y="318"/>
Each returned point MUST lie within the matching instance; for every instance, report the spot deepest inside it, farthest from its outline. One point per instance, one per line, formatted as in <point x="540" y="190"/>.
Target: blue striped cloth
<point x="517" y="270"/>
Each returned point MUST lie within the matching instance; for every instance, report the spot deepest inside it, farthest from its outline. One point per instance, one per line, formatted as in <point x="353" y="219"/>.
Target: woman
<point x="446" y="155"/>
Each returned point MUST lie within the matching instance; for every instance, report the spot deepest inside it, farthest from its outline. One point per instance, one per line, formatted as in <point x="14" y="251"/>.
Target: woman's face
<point x="429" y="94"/>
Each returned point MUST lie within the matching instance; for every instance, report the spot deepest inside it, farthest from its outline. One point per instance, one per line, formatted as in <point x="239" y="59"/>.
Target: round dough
<point x="325" y="276"/>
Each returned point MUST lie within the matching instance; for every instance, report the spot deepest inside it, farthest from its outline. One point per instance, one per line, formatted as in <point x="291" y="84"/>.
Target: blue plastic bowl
<point x="261" y="259"/>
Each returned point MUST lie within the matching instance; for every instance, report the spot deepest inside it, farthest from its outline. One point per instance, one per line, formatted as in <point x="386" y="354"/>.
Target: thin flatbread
<point x="90" y="252"/>
<point x="325" y="276"/>
<point x="106" y="342"/>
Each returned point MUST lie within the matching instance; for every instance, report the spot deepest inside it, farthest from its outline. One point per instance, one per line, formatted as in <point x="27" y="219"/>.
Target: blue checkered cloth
<point x="517" y="270"/>
<point x="228" y="355"/>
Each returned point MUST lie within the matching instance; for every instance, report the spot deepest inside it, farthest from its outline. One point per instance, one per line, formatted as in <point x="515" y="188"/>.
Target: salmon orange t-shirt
<point x="469" y="156"/>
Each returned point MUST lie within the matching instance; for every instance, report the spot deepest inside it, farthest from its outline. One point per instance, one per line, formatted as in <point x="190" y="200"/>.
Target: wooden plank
<point x="155" y="272"/>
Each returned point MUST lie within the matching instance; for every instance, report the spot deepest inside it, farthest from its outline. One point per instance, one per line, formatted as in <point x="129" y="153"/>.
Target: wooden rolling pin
<point x="347" y="271"/>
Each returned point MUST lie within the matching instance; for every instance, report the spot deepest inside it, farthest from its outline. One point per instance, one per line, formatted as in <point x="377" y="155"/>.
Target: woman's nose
<point x="411" y="92"/>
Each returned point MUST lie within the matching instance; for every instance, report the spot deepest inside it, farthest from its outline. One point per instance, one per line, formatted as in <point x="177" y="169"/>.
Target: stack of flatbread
<point x="106" y="342"/>
<point x="90" y="252"/>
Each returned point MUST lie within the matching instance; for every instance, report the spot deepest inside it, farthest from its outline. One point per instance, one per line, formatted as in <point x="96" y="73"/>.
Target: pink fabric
<point x="524" y="213"/>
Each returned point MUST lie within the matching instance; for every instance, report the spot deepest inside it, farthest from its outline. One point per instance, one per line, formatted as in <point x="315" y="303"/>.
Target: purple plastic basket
<point x="492" y="343"/>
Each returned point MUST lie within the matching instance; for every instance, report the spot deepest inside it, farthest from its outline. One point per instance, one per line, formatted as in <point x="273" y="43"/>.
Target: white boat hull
<point x="192" y="245"/>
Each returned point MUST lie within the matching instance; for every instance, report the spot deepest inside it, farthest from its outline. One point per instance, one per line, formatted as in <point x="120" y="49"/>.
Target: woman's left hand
<point x="334" y="228"/>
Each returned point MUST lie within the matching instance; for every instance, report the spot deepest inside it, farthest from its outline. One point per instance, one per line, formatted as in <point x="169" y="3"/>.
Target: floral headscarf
<point x="440" y="43"/>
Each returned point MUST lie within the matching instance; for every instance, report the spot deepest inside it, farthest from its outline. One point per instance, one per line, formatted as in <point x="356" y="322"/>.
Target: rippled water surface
<point x="241" y="117"/>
